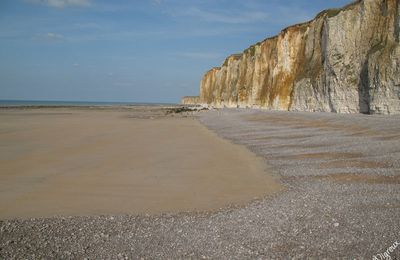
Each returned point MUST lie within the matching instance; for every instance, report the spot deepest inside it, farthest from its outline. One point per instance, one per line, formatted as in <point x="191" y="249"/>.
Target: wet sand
<point x="63" y="161"/>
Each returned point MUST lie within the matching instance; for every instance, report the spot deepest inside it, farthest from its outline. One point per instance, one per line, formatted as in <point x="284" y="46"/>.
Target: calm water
<point x="7" y="103"/>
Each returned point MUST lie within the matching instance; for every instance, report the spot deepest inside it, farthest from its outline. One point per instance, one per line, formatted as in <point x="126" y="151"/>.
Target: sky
<point x="130" y="50"/>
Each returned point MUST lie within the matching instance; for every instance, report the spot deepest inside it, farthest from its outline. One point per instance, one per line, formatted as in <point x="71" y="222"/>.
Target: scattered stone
<point x="297" y="147"/>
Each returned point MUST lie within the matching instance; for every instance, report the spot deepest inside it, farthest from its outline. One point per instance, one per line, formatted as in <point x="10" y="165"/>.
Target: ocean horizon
<point x="17" y="103"/>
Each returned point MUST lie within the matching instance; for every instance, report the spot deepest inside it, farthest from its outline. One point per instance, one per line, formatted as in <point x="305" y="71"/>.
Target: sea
<point x="23" y="103"/>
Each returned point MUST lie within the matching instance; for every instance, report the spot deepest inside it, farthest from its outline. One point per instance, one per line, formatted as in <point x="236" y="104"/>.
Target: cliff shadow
<point x="364" y="96"/>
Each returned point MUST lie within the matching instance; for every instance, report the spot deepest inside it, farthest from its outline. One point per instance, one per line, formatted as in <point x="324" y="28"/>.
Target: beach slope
<point x="68" y="161"/>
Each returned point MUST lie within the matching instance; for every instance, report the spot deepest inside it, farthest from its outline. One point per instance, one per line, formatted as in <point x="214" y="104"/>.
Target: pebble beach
<point x="340" y="199"/>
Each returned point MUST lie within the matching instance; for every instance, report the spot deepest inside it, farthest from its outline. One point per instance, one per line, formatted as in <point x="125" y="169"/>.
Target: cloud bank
<point x="61" y="3"/>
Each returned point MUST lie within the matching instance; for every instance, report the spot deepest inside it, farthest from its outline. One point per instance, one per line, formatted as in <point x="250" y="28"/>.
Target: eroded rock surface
<point x="190" y="100"/>
<point x="345" y="60"/>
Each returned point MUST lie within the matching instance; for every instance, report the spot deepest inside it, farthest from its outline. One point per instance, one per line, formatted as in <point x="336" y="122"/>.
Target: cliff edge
<point x="344" y="60"/>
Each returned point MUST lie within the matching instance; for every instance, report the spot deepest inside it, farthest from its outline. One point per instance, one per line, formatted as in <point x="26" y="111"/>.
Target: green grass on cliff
<point x="252" y="49"/>
<point x="333" y="12"/>
<point x="329" y="13"/>
<point x="236" y="56"/>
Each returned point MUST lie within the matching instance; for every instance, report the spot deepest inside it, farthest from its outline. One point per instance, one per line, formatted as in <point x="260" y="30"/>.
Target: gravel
<point x="342" y="200"/>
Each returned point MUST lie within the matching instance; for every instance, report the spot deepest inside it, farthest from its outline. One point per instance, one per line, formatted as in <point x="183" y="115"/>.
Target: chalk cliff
<point x="344" y="60"/>
<point x="190" y="100"/>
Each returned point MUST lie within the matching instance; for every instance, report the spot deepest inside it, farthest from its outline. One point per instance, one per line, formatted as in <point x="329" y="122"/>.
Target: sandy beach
<point x="77" y="162"/>
<point x="340" y="174"/>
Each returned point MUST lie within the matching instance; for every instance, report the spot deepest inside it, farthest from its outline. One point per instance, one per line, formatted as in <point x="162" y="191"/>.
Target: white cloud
<point x="156" y="2"/>
<point x="49" y="37"/>
<point x="243" y="13"/>
<point x="239" y="18"/>
<point x="54" y="37"/>
<point x="198" y="55"/>
<point x="61" y="3"/>
<point x="76" y="65"/>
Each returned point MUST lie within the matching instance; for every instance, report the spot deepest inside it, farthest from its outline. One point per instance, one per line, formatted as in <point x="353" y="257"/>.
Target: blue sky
<point x="130" y="50"/>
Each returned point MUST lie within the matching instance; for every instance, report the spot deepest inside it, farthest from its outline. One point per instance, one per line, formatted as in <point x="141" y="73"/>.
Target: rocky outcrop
<point x="345" y="60"/>
<point x="190" y="100"/>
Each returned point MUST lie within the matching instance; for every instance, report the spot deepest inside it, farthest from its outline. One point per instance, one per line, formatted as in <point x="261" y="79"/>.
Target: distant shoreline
<point x="69" y="104"/>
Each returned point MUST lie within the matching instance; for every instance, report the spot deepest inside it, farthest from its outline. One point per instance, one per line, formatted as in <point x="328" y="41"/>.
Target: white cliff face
<point x="344" y="61"/>
<point x="384" y="83"/>
<point x="190" y="100"/>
